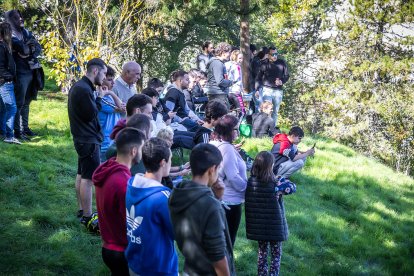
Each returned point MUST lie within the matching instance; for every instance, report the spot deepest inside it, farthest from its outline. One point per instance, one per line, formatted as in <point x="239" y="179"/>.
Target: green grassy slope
<point x="350" y="215"/>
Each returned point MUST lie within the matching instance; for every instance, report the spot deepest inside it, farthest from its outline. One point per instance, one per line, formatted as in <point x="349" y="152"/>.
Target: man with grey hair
<point x="124" y="86"/>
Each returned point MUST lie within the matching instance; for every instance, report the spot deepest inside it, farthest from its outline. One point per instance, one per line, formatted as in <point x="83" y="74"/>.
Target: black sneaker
<point x="91" y="223"/>
<point x="79" y="214"/>
<point x="29" y="132"/>
<point x="21" y="137"/>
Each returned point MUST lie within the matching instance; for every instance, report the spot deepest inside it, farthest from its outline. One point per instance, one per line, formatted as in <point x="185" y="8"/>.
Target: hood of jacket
<point x="280" y="137"/>
<point x="185" y="194"/>
<point x="120" y="125"/>
<point x="106" y="169"/>
<point x="140" y="187"/>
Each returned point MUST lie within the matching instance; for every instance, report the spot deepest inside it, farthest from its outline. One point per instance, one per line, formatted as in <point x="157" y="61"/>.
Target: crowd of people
<point x="124" y="140"/>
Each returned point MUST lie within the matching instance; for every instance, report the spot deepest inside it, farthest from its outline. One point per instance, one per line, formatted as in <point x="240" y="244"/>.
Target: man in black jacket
<point x="84" y="104"/>
<point x="200" y="226"/>
<point x="271" y="77"/>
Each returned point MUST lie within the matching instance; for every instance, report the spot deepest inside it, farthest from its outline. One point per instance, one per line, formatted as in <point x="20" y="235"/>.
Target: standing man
<point x="124" y="86"/>
<point x="205" y="56"/>
<point x="217" y="83"/>
<point x="271" y="77"/>
<point x="26" y="49"/>
<point x="83" y="107"/>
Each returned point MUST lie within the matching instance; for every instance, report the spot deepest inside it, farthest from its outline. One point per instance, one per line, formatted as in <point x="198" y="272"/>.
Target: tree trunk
<point x="245" y="43"/>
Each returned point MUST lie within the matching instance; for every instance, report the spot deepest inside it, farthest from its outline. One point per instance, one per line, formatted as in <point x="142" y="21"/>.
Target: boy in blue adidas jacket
<point x="150" y="248"/>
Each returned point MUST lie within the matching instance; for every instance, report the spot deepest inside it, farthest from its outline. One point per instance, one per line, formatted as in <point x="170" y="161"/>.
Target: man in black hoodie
<point x="200" y="226"/>
<point x="217" y="83"/>
<point x="84" y="104"/>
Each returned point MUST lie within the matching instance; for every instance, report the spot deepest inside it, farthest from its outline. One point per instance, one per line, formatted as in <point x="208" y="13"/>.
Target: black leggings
<point x="233" y="217"/>
<point x="116" y="262"/>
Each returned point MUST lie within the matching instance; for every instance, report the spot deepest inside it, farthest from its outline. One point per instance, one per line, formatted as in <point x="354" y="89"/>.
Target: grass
<point x="350" y="215"/>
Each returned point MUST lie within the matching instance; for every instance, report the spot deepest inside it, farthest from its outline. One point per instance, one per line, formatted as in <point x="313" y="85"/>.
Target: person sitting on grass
<point x="150" y="235"/>
<point x="263" y="124"/>
<point x="110" y="180"/>
<point x="265" y="212"/>
<point x="214" y="110"/>
<point x="288" y="159"/>
<point x="200" y="225"/>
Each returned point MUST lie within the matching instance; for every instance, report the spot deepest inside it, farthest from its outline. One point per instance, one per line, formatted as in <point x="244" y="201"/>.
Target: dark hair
<point x="263" y="167"/>
<point x="221" y="48"/>
<point x="177" y="74"/>
<point x="127" y="138"/>
<point x="141" y="122"/>
<point x="203" y="75"/>
<point x="6" y="35"/>
<point x="205" y="45"/>
<point x="137" y="101"/>
<point x="263" y="51"/>
<point x="225" y="127"/>
<point x="155" y="83"/>
<point x="194" y="73"/>
<point x="110" y="72"/>
<point x="203" y="157"/>
<point x="273" y="48"/>
<point x="252" y="48"/>
<point x="297" y="131"/>
<point x="153" y="152"/>
<point x="214" y="110"/>
<point x="150" y="92"/>
<point x="95" y="62"/>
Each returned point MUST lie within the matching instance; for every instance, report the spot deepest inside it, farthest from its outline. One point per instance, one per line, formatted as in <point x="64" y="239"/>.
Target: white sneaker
<point x="12" y="140"/>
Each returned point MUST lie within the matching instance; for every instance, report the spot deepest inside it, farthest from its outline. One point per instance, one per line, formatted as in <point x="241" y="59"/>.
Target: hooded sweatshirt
<point x="282" y="150"/>
<point x="150" y="236"/>
<point x="110" y="180"/>
<point x="200" y="228"/>
<point x="217" y="82"/>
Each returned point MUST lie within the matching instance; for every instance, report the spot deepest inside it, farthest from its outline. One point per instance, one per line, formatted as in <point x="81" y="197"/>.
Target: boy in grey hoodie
<point x="199" y="222"/>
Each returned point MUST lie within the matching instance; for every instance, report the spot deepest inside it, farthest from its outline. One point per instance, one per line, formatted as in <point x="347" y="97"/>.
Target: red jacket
<point x="110" y="180"/>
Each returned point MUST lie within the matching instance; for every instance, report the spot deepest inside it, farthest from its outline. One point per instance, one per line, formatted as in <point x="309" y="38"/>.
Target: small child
<point x="264" y="210"/>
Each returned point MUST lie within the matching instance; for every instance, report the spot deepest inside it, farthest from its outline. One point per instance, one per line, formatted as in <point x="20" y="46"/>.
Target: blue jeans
<point x="274" y="96"/>
<point x="7" y="109"/>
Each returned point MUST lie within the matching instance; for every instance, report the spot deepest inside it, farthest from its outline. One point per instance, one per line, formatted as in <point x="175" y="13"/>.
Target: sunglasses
<point x="274" y="54"/>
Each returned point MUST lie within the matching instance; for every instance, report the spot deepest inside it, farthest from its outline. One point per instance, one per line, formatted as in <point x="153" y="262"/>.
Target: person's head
<point x="139" y="104"/>
<point x="109" y="78"/>
<point x="207" y="47"/>
<point x="129" y="143"/>
<point x="226" y="128"/>
<point x="6" y="34"/>
<point x="263" y="53"/>
<point x="96" y="71"/>
<point x="131" y="72"/>
<point x="203" y="79"/>
<point x="141" y="122"/>
<point x="181" y="79"/>
<point x="222" y="51"/>
<point x="272" y="54"/>
<point x="263" y="166"/>
<point x="156" y="156"/>
<point x="205" y="159"/>
<point x="167" y="135"/>
<point x="194" y="75"/>
<point x="253" y="49"/>
<point x="295" y="135"/>
<point x="266" y="107"/>
<point x="153" y="94"/>
<point x="157" y="84"/>
<point x="214" y="111"/>
<point x="236" y="56"/>
<point x="15" y="19"/>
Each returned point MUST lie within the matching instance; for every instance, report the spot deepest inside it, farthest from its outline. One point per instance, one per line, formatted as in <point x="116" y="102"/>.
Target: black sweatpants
<point x="116" y="262"/>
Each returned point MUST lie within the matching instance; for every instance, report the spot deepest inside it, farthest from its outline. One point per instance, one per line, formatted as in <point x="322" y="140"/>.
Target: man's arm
<point x="221" y="267"/>
<point x="310" y="151"/>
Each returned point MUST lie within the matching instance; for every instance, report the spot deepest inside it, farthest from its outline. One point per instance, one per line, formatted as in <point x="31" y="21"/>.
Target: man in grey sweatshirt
<point x="217" y="82"/>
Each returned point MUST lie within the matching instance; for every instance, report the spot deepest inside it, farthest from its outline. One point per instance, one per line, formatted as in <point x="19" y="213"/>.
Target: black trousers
<point x="233" y="217"/>
<point x="116" y="262"/>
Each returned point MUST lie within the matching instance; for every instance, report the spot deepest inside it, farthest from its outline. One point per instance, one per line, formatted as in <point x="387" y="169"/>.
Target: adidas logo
<point x="132" y="221"/>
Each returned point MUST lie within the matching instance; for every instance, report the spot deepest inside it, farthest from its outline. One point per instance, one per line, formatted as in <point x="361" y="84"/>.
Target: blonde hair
<point x="265" y="104"/>
<point x="234" y="55"/>
<point x="166" y="134"/>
